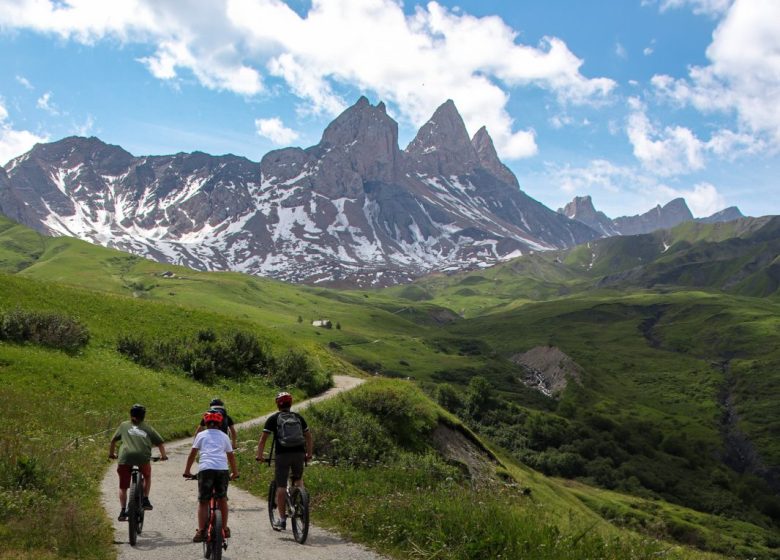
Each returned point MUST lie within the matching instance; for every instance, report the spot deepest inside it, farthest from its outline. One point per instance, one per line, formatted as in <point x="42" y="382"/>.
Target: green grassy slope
<point x="661" y="369"/>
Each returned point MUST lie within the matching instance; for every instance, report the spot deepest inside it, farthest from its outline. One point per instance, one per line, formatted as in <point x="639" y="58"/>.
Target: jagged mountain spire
<point x="442" y="146"/>
<point x="488" y="157"/>
<point x="365" y="139"/>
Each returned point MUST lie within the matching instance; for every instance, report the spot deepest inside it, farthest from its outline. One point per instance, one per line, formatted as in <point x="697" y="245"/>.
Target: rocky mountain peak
<point x="488" y="157"/>
<point x="363" y="139"/>
<point x="579" y="207"/>
<point x="75" y="150"/>
<point x="442" y="146"/>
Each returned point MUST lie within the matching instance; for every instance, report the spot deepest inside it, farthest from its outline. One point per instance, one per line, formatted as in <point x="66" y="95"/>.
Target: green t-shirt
<point x="137" y="441"/>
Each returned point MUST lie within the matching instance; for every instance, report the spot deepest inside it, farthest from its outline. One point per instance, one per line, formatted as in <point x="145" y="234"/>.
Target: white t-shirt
<point x="213" y="446"/>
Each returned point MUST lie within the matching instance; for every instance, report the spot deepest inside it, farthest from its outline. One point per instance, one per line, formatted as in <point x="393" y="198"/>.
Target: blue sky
<point x="633" y="102"/>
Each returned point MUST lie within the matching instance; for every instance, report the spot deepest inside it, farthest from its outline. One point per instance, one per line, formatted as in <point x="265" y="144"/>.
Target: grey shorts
<point x="211" y="478"/>
<point x="286" y="462"/>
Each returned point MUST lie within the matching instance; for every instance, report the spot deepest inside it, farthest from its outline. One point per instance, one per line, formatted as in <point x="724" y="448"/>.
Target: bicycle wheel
<point x="216" y="537"/>
<point x="272" y="502"/>
<point x="132" y="510"/>
<point x="300" y="514"/>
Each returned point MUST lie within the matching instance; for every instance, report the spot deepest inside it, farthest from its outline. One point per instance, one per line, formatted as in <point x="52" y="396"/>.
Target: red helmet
<point x="284" y="399"/>
<point x="212" y="416"/>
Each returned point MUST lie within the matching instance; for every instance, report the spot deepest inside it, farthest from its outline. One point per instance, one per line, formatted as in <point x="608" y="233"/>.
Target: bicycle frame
<point x="215" y="541"/>
<point x="296" y="506"/>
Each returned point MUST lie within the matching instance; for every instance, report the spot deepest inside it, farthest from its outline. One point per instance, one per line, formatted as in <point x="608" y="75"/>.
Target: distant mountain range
<point x="353" y="210"/>
<point x="661" y="217"/>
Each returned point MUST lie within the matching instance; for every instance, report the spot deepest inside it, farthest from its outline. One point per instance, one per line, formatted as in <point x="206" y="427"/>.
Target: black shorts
<point x="286" y="462"/>
<point x="211" y="478"/>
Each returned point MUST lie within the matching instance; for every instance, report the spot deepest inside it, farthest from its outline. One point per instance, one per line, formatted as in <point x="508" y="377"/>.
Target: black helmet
<point x="217" y="402"/>
<point x="138" y="411"/>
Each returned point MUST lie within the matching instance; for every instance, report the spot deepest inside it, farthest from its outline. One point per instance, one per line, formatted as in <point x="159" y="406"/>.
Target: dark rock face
<point x="488" y="158"/>
<point x="353" y="210"/>
<point x="442" y="146"/>
<point x="582" y="210"/>
<point x="726" y="215"/>
<point x="661" y="217"/>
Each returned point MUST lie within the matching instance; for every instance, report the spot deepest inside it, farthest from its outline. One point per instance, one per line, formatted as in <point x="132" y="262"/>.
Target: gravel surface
<point x="168" y="529"/>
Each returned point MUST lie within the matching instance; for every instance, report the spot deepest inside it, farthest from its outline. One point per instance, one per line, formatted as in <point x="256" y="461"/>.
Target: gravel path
<point x="169" y="528"/>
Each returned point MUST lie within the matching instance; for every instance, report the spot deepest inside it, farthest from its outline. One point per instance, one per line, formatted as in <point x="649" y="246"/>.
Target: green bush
<point x="54" y="330"/>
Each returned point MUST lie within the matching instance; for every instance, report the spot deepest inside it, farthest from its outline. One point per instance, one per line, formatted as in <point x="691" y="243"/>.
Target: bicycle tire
<point x="300" y="519"/>
<point x="132" y="511"/>
<point x="216" y="537"/>
<point x="272" y="502"/>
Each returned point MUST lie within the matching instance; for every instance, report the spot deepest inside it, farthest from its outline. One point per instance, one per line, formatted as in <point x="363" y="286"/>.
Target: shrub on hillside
<point x="204" y="357"/>
<point x="54" y="330"/>
<point x="209" y="356"/>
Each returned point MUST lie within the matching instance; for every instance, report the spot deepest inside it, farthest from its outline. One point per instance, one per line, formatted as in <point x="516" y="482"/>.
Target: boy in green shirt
<point x="137" y="439"/>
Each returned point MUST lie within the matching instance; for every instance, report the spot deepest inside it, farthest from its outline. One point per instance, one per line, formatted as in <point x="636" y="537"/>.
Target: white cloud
<point x="44" y="102"/>
<point x="85" y="128"/>
<point x="599" y="174"/>
<point x="670" y="151"/>
<point x="743" y="76"/>
<point x="621" y="51"/>
<point x="274" y="130"/>
<point x="25" y="82"/>
<point x="647" y="51"/>
<point x="13" y="142"/>
<point x="706" y="7"/>
<point x="415" y="62"/>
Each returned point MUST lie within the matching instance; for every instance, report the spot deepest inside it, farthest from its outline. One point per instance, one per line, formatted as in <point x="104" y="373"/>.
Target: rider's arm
<point x="190" y="460"/>
<point x="163" y="456"/>
<point x="261" y="446"/>
<point x="232" y="461"/>
<point x="309" y="444"/>
<point x="112" y="447"/>
<point x="232" y="431"/>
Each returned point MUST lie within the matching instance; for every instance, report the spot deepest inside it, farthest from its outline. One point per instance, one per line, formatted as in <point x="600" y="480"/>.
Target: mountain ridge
<point x="352" y="210"/>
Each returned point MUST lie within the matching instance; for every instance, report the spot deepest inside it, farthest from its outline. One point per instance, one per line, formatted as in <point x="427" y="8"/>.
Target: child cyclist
<point x="216" y="452"/>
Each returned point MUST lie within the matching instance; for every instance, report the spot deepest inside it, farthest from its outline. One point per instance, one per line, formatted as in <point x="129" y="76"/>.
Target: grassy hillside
<point x="65" y="407"/>
<point x="396" y="488"/>
<point x="678" y="401"/>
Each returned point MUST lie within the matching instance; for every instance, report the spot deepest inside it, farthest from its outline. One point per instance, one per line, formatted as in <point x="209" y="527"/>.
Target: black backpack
<point x="289" y="430"/>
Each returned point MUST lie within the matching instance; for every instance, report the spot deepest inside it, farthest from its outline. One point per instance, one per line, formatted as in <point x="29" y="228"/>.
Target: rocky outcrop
<point x="582" y="210"/>
<point x="548" y="369"/>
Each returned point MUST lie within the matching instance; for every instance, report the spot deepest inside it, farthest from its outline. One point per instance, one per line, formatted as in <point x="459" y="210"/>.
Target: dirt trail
<point x="169" y="528"/>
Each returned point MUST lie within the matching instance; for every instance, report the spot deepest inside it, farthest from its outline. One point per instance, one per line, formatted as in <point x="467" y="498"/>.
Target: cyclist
<point x="216" y="405"/>
<point x="288" y="457"/>
<point x="216" y="452"/>
<point x="137" y="439"/>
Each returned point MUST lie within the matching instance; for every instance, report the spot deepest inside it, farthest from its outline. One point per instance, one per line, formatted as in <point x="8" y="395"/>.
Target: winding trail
<point x="169" y="528"/>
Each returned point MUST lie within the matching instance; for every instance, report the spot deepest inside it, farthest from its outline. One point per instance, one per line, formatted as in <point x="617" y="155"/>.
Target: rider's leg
<point x="223" y="507"/>
<point x="123" y="497"/>
<point x="203" y="514"/>
<point x="281" y="501"/>
<point x="147" y="472"/>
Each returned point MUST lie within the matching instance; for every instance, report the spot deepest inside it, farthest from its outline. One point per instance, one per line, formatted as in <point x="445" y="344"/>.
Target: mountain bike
<point x="297" y="507"/>
<point x="135" y="503"/>
<point x="216" y="541"/>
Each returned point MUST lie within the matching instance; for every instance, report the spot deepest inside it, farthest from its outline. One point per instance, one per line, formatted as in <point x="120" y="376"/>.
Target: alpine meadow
<point x="663" y="441"/>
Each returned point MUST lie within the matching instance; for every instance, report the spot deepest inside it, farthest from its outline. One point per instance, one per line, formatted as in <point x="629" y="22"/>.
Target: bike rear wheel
<point x="134" y="510"/>
<point x="272" y="502"/>
<point x="215" y="537"/>
<point x="299" y="497"/>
